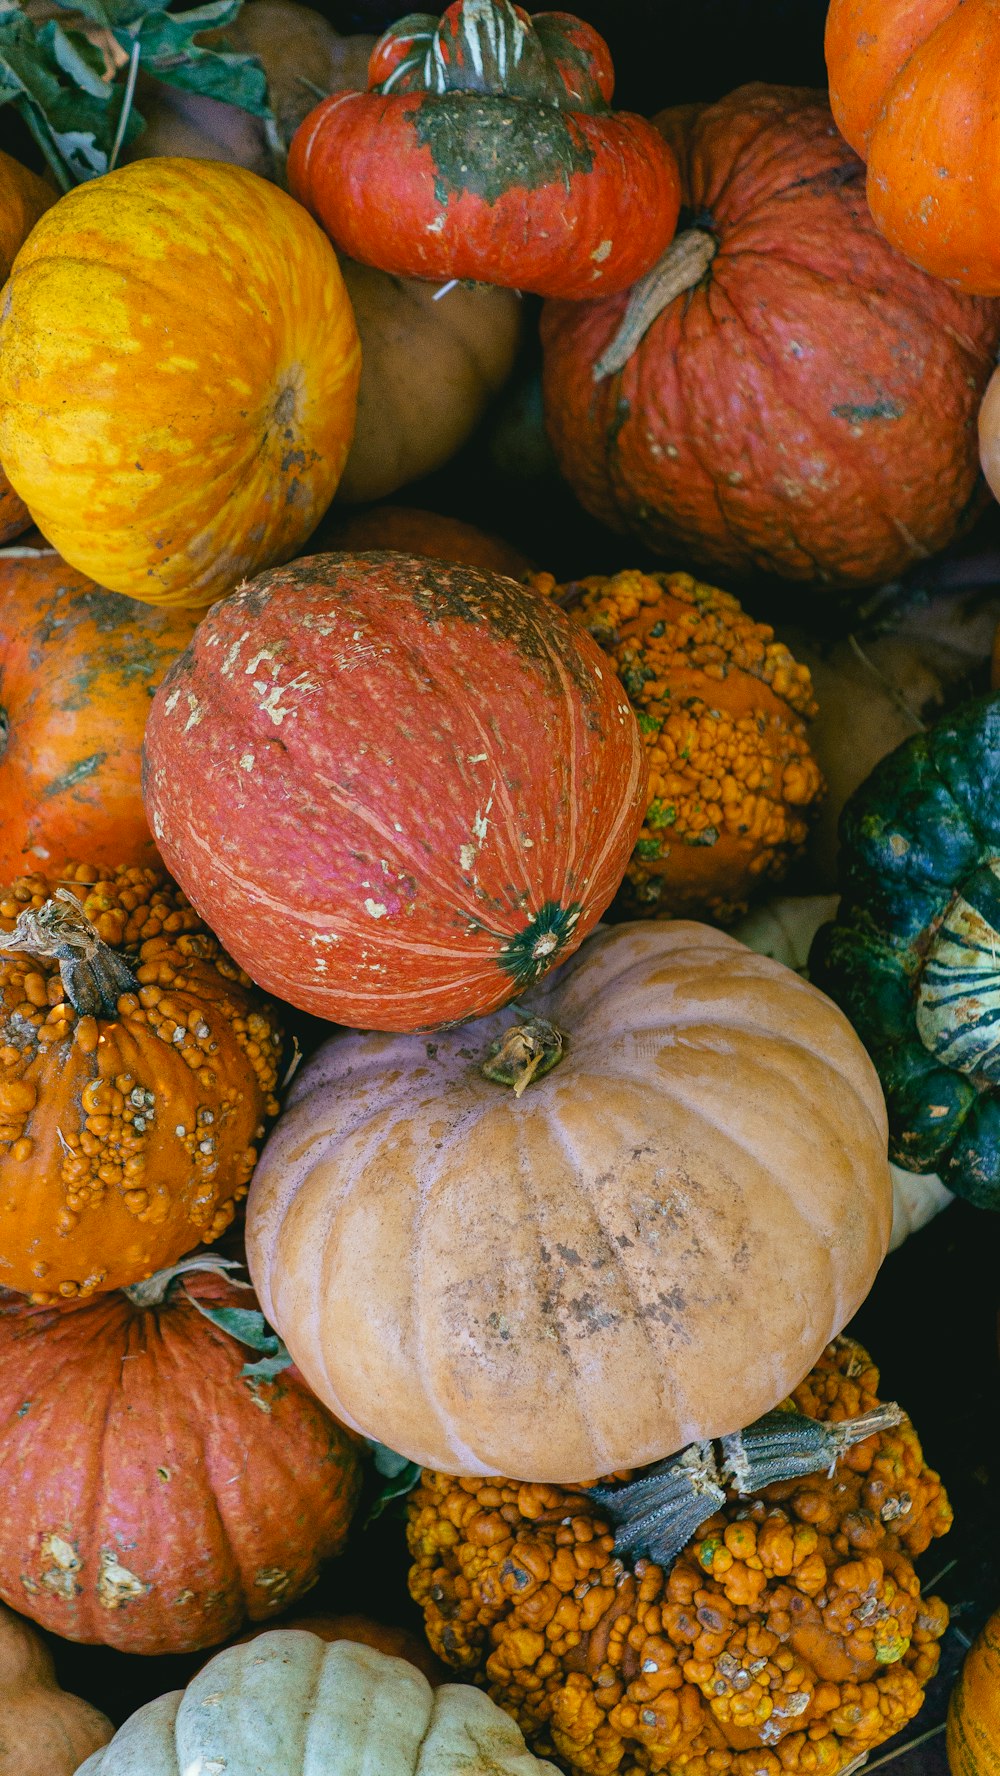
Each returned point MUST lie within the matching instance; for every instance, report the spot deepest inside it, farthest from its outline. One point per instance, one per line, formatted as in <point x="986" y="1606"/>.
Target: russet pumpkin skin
<point x="914" y="86"/>
<point x="485" y="149"/>
<point x="155" y="1496"/>
<point x="23" y="199"/>
<point x="809" y="407"/>
<point x="125" y="1139"/>
<point x="178" y="375"/>
<point x="399" y="789"/>
<point x="43" y="1730"/>
<point x="467" y="1275"/>
<point x="413" y="532"/>
<point x="78" y="667"/>
<point x="973" y="1735"/>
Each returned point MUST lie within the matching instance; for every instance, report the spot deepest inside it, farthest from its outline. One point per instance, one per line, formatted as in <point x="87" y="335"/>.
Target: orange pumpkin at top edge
<point x="23" y="198"/>
<point x="78" y="667"/>
<point x="914" y="87"/>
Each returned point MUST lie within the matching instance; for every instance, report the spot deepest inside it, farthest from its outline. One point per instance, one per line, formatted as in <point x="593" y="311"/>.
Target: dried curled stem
<point x="523" y="1053"/>
<point x="93" y="975"/>
<point x="683" y="265"/>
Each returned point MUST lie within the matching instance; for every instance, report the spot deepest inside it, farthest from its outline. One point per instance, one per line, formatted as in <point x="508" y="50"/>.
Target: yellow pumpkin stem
<point x="683" y="265"/>
<point x="523" y="1053"/>
<point x="93" y="975"/>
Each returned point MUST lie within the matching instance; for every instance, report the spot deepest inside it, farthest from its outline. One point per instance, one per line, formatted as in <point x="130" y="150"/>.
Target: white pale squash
<point x="650" y="1246"/>
<point x="290" y="1704"/>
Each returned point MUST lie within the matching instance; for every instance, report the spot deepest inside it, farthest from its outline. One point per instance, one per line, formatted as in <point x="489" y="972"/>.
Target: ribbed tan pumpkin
<point x="43" y="1730"/>
<point x="651" y="1245"/>
<point x="291" y="1705"/>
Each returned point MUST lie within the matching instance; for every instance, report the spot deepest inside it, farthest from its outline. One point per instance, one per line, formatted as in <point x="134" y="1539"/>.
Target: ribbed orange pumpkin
<point x="913" y="85"/>
<point x="973" y="1737"/>
<point x="155" y="1496"/>
<point x="23" y="198"/>
<point x="137" y="1074"/>
<point x="78" y="667"/>
<point x="785" y="394"/>
<point x="413" y="532"/>
<point x="178" y="376"/>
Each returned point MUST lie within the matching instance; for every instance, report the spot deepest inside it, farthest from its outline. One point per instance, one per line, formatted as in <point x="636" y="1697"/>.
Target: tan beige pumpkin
<point x="43" y="1730"/>
<point x="292" y="1705"/>
<point x="650" y="1246"/>
<point x="973" y="1737"/>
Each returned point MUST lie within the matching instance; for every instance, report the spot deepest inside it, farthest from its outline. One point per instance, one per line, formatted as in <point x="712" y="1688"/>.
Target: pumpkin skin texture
<point x="519" y="1250"/>
<point x="973" y="1735"/>
<point x="989" y="433"/>
<point x="353" y="757"/>
<point x="78" y="667"/>
<point x="125" y="1139"/>
<point x="485" y="149"/>
<point x="170" y="478"/>
<point x="399" y="1643"/>
<point x="910" y="954"/>
<point x="430" y="365"/>
<point x="412" y="532"/>
<point x="807" y="406"/>
<point x="43" y="1731"/>
<point x="772" y="1582"/>
<point x="293" y="1706"/>
<point x="914" y="86"/>
<point x="722" y="708"/>
<point x="23" y="199"/>
<point x="187" y="1496"/>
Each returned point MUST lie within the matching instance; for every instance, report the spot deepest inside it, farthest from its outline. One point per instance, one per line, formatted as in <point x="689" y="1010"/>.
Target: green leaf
<point x="248" y="1326"/>
<point x="168" y="50"/>
<point x="401" y="1477"/>
<point x="76" y="56"/>
<point x="387" y="1462"/>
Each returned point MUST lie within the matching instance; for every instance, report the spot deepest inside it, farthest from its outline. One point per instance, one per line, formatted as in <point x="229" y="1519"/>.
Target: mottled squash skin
<point x="913" y="85"/>
<point x="178" y="375"/>
<point x="809" y="407"/>
<point x="23" y="199"/>
<point x="401" y="790"/>
<point x="789" y="1636"/>
<point x="911" y="956"/>
<point x="155" y="1497"/>
<point x="78" y="667"/>
<point x="125" y="1139"/>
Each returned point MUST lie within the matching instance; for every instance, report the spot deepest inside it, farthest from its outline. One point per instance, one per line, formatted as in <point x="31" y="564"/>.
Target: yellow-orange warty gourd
<point x="178" y="378"/>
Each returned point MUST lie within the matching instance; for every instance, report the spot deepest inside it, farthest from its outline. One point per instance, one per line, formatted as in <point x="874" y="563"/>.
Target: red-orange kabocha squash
<point x="137" y="1074"/>
<point x="156" y="1494"/>
<point x="783" y="393"/>
<point x="914" y="87"/>
<point x="422" y="533"/>
<point x="78" y="667"/>
<point x="23" y="198"/>
<point x="400" y="790"/>
<point x="486" y="148"/>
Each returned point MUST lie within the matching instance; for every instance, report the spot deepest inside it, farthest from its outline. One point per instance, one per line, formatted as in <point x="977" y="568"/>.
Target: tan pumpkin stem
<point x="93" y="975"/>
<point x="523" y="1053"/>
<point x="153" y="1290"/>
<point x="683" y="265"/>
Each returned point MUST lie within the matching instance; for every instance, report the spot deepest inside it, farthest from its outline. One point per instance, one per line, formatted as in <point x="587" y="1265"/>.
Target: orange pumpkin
<point x="178" y="376"/>
<point x="422" y="533"/>
<point x="23" y="198"/>
<point x="137" y="1072"/>
<point x="913" y="86"/>
<point x="43" y="1731"/>
<point x="973" y="1736"/>
<point x="78" y="667"/>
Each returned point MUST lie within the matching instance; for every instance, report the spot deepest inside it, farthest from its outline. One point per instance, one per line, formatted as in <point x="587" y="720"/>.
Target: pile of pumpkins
<point x="266" y="759"/>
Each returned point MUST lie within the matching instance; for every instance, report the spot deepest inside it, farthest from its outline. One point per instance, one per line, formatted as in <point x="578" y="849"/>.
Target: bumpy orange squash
<point x="973" y="1737"/>
<point x="178" y="376"/>
<point x="78" y="667"/>
<point x="23" y="198"/>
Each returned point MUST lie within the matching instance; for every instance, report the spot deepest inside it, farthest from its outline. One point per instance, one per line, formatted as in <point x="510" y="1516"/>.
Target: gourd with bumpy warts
<point x="789" y="1636"/>
<point x="137" y="1074"/>
<point x="723" y="709"/>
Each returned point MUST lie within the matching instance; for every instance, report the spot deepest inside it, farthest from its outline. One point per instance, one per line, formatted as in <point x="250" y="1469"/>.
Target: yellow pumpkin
<point x="178" y="378"/>
<point x="973" y="1736"/>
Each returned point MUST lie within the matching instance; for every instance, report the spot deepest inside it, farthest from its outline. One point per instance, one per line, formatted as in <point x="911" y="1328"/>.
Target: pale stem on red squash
<point x="683" y="265"/>
<point x="94" y="977"/>
<point x="153" y="1290"/>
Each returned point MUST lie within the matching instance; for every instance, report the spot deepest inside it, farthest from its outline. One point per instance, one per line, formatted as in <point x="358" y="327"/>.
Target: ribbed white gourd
<point x="290" y="1704"/>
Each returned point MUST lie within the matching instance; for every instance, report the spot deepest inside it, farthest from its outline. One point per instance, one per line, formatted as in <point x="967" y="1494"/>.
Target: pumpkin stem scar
<point x="657" y="1515"/>
<point x="94" y="976"/>
<point x="524" y="1052"/>
<point x="683" y="265"/>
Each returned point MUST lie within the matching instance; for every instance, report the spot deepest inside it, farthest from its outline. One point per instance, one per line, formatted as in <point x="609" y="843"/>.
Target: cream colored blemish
<point x="600" y="253"/>
<point x="232" y="655"/>
<point x="467" y="856"/>
<point x="60" y="1576"/>
<point x="478" y="758"/>
<point x="247" y="761"/>
<point x="253" y="665"/>
<point x="375" y="908"/>
<point x="116" y="1584"/>
<point x="172" y="701"/>
<point x="196" y="711"/>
